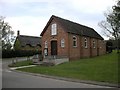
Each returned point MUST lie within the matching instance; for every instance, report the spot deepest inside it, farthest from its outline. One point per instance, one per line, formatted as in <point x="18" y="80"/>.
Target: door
<point x="97" y="51"/>
<point x="53" y="47"/>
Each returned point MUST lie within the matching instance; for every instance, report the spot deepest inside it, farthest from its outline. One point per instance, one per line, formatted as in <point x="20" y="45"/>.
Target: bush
<point x="18" y="53"/>
<point x="109" y="46"/>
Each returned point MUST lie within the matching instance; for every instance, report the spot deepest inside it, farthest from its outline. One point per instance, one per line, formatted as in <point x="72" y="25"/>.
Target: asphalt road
<point x="11" y="79"/>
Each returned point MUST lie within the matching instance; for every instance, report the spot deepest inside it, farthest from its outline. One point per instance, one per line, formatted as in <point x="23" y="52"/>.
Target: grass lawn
<point x="21" y="63"/>
<point x="102" y="68"/>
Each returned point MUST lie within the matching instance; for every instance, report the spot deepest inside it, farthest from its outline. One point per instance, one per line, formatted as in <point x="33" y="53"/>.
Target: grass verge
<point x="102" y="68"/>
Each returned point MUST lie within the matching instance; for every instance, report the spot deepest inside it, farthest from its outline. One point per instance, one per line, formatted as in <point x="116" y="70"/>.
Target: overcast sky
<point x="31" y="16"/>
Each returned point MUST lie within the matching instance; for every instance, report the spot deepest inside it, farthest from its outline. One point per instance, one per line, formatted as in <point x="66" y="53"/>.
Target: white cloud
<point x="28" y="1"/>
<point x="92" y="6"/>
<point x="31" y="20"/>
<point x="27" y="25"/>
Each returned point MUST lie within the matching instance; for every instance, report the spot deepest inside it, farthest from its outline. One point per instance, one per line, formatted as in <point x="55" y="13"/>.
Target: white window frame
<point x="62" y="43"/>
<point x="100" y="44"/>
<point x="46" y="44"/>
<point x="75" y="40"/>
<point x="86" y="43"/>
<point x="93" y="43"/>
<point x="54" y="29"/>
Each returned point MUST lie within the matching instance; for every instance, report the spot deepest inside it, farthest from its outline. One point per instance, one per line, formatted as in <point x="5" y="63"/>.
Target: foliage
<point x="18" y="53"/>
<point x="112" y="24"/>
<point x="109" y="46"/>
<point x="17" y="44"/>
<point x="6" y="34"/>
<point x="102" y="68"/>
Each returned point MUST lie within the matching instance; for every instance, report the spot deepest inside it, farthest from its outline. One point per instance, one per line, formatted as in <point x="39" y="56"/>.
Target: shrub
<point x="18" y="53"/>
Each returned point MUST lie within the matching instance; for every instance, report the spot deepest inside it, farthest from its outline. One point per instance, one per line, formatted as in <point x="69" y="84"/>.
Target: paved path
<point x="13" y="68"/>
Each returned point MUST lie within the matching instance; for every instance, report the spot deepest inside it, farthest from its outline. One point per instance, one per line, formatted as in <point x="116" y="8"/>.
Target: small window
<point x="100" y="44"/>
<point x="46" y="46"/>
<point x="85" y="43"/>
<point x="93" y="43"/>
<point x="46" y="52"/>
<point x="62" y="43"/>
<point x="54" y="29"/>
<point x="74" y="41"/>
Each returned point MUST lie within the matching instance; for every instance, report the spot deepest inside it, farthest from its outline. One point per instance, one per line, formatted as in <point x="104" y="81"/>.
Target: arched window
<point x="85" y="43"/>
<point x="74" y="41"/>
<point x="93" y="43"/>
<point x="54" y="29"/>
<point x="62" y="43"/>
<point x="100" y="44"/>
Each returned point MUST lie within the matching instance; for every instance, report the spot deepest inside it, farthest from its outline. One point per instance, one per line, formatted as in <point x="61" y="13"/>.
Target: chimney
<point x="18" y="33"/>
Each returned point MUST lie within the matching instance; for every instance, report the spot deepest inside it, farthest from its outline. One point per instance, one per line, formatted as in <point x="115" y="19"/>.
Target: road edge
<point x="69" y="79"/>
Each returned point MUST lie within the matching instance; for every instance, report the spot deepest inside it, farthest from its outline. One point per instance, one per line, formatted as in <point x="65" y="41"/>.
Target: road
<point x="11" y="79"/>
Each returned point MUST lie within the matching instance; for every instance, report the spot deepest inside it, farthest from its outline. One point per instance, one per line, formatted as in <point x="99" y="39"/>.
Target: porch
<point x="55" y="60"/>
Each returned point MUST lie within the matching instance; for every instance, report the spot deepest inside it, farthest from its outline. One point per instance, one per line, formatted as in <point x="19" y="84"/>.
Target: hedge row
<point x="18" y="53"/>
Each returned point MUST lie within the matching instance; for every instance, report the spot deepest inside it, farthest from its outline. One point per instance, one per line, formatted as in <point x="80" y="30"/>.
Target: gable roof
<point x="29" y="40"/>
<point x="75" y="28"/>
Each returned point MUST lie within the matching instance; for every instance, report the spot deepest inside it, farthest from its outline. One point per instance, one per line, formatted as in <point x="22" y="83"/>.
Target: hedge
<point x="18" y="53"/>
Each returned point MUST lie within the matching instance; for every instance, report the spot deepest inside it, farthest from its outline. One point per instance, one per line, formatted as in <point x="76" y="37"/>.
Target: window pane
<point x="54" y="29"/>
<point x="62" y="43"/>
<point x="46" y="44"/>
<point x="85" y="43"/>
<point x="93" y="44"/>
<point x="74" y="41"/>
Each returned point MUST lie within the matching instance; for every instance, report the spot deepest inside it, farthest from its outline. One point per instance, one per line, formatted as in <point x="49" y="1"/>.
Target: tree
<point x="17" y="45"/>
<point x="112" y="24"/>
<point x="109" y="46"/>
<point x="6" y="34"/>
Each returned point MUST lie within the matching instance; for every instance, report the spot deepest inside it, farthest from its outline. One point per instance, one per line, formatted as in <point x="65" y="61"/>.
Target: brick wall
<point x="82" y="52"/>
<point x="102" y="47"/>
<point x="85" y="51"/>
<point x="61" y="34"/>
<point x="72" y="52"/>
<point x="93" y="49"/>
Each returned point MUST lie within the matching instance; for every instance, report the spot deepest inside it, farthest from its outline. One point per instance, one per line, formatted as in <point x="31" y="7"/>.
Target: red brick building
<point x="62" y="37"/>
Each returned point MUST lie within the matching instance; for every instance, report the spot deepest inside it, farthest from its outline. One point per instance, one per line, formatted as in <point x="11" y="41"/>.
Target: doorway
<point x="53" y="47"/>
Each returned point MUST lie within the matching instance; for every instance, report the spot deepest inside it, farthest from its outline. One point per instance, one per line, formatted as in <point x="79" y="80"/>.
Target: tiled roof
<point x="75" y="28"/>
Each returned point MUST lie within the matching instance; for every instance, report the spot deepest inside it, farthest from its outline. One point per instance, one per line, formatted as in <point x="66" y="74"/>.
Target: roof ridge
<point x="29" y="36"/>
<point x="73" y="27"/>
<point x="72" y="22"/>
